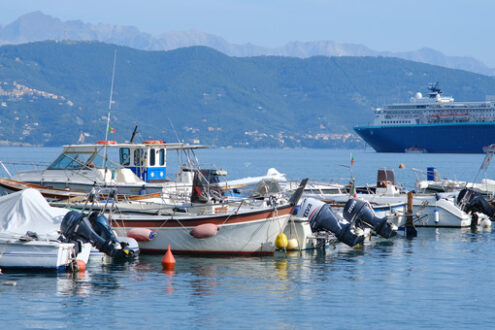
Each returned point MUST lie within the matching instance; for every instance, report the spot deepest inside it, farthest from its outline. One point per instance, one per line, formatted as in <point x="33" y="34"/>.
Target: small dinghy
<point x="34" y="235"/>
<point x="29" y="234"/>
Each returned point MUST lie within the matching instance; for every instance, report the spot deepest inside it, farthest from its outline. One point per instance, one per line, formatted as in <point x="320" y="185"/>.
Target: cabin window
<point x="125" y="156"/>
<point x="138" y="157"/>
<point x="162" y="157"/>
<point x="152" y="157"/>
<point x="71" y="161"/>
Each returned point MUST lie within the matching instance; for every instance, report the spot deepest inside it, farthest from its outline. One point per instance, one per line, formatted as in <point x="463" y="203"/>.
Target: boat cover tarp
<point x="27" y="210"/>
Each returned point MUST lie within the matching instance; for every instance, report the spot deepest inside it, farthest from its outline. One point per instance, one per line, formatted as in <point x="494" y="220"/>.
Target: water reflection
<point x="205" y="282"/>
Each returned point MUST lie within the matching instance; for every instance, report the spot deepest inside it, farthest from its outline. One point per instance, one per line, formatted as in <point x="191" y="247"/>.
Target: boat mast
<point x="109" y="110"/>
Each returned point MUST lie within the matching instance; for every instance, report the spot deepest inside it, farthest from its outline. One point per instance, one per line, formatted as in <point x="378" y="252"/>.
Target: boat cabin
<point x="147" y="160"/>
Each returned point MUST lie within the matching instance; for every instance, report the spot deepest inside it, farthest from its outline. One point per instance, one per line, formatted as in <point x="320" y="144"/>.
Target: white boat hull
<point x="35" y="254"/>
<point x="250" y="237"/>
<point x="449" y="215"/>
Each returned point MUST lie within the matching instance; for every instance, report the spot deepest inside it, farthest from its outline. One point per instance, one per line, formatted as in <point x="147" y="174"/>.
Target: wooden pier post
<point x="409" y="226"/>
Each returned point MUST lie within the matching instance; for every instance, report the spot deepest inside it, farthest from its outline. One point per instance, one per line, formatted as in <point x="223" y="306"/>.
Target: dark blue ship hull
<point x="438" y="138"/>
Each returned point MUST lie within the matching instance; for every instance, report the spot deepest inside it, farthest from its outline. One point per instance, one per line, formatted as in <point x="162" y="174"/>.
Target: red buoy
<point x="81" y="265"/>
<point x="204" y="230"/>
<point x="168" y="260"/>
<point x="141" y="234"/>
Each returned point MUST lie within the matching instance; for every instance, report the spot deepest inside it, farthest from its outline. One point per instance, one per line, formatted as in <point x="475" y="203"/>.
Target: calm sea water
<point x="442" y="278"/>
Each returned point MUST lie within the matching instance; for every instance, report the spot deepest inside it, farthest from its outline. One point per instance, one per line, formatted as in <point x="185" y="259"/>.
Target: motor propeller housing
<point x="360" y="212"/>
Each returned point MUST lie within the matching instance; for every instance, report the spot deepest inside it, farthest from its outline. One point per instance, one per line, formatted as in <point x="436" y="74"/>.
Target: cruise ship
<point x="432" y="123"/>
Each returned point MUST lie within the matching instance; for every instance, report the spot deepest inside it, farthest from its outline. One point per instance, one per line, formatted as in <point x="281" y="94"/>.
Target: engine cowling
<point x="322" y="218"/>
<point x="472" y="201"/>
<point x="359" y="211"/>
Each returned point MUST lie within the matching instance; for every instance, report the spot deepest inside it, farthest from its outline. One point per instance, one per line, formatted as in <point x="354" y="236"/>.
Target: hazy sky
<point x="455" y="27"/>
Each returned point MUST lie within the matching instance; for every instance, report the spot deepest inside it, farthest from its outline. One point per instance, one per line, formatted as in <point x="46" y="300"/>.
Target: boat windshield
<point x="80" y="160"/>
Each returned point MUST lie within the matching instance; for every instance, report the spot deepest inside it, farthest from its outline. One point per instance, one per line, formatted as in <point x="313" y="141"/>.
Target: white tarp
<point x="27" y="210"/>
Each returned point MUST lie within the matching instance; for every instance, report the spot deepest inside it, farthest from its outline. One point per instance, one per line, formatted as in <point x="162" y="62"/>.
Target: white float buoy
<point x="292" y="244"/>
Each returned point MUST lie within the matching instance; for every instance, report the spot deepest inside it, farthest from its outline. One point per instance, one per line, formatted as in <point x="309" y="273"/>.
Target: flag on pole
<point x="111" y="130"/>
<point x="352" y="159"/>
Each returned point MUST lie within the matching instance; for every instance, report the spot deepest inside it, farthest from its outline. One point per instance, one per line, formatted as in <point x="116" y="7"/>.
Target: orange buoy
<point x="151" y="141"/>
<point x="168" y="260"/>
<point x="204" y="230"/>
<point x="141" y="234"/>
<point x="81" y="265"/>
<point x="402" y="166"/>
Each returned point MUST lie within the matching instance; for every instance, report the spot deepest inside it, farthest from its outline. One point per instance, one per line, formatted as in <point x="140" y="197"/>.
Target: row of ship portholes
<point x="396" y="122"/>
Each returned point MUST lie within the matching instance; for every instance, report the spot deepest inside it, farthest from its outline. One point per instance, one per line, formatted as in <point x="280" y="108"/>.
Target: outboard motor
<point x="323" y="218"/>
<point x="361" y="211"/>
<point x="101" y="226"/>
<point x="76" y="227"/>
<point x="472" y="201"/>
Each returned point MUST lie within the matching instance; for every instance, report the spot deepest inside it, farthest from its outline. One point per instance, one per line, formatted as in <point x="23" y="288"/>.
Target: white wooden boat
<point x="241" y="229"/>
<point x="247" y="227"/>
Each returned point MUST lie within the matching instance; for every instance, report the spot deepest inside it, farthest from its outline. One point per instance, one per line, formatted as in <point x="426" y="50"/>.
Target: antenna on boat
<point x="133" y="134"/>
<point x="109" y="110"/>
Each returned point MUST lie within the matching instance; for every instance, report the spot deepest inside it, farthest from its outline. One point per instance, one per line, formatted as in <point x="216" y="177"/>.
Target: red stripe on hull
<point x="194" y="221"/>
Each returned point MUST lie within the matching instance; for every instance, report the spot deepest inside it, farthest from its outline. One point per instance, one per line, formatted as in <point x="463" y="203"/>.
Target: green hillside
<point x="51" y="93"/>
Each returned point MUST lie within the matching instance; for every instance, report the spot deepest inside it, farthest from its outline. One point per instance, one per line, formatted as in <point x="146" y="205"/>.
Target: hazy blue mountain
<point x="37" y="26"/>
<point x="53" y="93"/>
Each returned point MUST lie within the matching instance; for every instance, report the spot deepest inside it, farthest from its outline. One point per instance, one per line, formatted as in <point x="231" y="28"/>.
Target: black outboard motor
<point x="359" y="211"/>
<point x="323" y="218"/>
<point x="76" y="227"/>
<point x="472" y="201"/>
<point x="101" y="226"/>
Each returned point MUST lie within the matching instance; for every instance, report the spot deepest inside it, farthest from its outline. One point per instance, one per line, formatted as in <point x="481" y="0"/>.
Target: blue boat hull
<point x="437" y="138"/>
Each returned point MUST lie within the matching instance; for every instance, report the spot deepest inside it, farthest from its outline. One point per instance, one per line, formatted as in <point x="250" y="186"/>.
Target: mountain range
<point x="37" y="26"/>
<point x="57" y="92"/>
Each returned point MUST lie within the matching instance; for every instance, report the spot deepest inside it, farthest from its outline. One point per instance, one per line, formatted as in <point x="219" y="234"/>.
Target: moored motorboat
<point x="29" y="234"/>
<point x="140" y="167"/>
<point x="34" y="235"/>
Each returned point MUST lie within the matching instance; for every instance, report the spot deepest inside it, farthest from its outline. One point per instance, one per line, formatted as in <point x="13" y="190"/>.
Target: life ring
<point x="106" y="142"/>
<point x="153" y="142"/>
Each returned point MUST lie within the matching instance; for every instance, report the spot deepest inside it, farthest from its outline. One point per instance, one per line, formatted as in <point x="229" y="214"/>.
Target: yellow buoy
<point x="281" y="241"/>
<point x="292" y="244"/>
